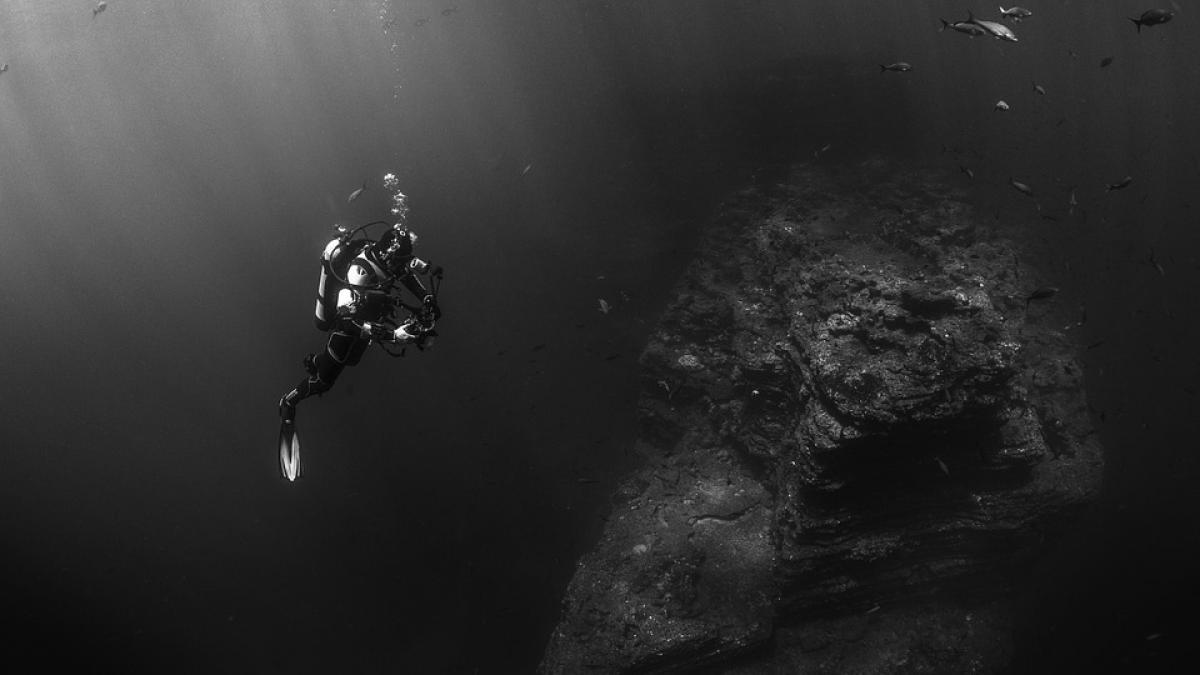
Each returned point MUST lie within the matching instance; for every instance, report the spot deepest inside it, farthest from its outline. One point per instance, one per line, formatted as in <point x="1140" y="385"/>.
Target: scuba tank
<point x="335" y="263"/>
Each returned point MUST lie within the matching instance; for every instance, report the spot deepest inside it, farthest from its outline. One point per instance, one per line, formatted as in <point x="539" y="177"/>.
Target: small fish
<point x="942" y="465"/>
<point x="421" y="21"/>
<point x="1119" y="185"/>
<point x="963" y="27"/>
<point x="1106" y="62"/>
<point x="1150" y="17"/>
<point x="1072" y="204"/>
<point x="1082" y="317"/>
<point x="1039" y="89"/>
<point x="449" y="10"/>
<point x="967" y="170"/>
<point x="1000" y="105"/>
<point x="100" y="7"/>
<point x="4" y="68"/>
<point x="357" y="193"/>
<point x="1096" y="345"/>
<point x="1015" y="13"/>
<point x="605" y="308"/>
<point x="1157" y="265"/>
<point x="997" y="30"/>
<point x="1042" y="293"/>
<point x="1021" y="187"/>
<point x="825" y="148"/>
<point x="897" y="67"/>
<point x="527" y="169"/>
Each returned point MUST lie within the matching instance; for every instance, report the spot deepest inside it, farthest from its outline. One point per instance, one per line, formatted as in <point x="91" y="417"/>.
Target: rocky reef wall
<point x="857" y="426"/>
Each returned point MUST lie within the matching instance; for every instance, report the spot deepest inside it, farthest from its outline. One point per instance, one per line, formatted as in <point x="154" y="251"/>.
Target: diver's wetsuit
<point x="359" y="311"/>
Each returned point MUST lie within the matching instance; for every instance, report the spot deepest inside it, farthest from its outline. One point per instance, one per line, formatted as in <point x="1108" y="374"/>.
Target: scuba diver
<point x="358" y="299"/>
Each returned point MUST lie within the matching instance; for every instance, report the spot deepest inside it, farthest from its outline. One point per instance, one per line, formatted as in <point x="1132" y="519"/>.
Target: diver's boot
<point x="287" y="406"/>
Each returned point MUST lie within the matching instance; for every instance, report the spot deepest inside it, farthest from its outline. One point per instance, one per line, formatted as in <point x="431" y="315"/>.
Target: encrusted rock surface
<point x="856" y="432"/>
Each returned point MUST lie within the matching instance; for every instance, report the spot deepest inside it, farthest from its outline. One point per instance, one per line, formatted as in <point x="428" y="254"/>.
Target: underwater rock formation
<point x="856" y="431"/>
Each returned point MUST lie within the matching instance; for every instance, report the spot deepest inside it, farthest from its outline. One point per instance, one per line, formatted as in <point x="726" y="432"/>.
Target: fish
<point x="1150" y="17"/>
<point x="1119" y="185"/>
<point x="1021" y="187"/>
<point x="4" y="68"/>
<point x="421" y="21"/>
<point x="527" y="169"/>
<point x="963" y="27"/>
<point x="942" y="465"/>
<point x="1072" y="204"/>
<point x="100" y="7"/>
<point x="1000" y="105"/>
<point x="1015" y="13"/>
<point x="605" y="308"/>
<point x="1039" y="89"/>
<point x="449" y="10"/>
<point x="967" y="170"/>
<point x="1106" y="62"/>
<point x="356" y="194"/>
<point x="997" y="30"/>
<point x="825" y="148"/>
<point x="1041" y="293"/>
<point x="897" y="67"/>
<point x="1157" y="265"/>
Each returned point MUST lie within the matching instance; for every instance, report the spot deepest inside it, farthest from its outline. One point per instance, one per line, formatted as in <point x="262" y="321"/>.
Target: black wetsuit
<point x="375" y="299"/>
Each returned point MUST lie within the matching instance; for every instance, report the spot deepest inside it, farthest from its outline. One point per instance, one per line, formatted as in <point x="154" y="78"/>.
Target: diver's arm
<point x="414" y="286"/>
<point x="413" y="283"/>
<point x="351" y="317"/>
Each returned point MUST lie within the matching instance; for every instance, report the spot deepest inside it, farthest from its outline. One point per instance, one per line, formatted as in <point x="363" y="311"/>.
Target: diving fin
<point x="289" y="450"/>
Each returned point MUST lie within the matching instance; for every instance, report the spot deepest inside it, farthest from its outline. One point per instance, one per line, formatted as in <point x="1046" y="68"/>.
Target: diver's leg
<point x="323" y="372"/>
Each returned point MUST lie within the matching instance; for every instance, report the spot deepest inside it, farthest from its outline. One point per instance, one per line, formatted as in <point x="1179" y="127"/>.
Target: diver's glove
<point x="411" y="331"/>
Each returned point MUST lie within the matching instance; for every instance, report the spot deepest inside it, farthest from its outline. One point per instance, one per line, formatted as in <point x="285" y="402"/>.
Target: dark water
<point x="170" y="170"/>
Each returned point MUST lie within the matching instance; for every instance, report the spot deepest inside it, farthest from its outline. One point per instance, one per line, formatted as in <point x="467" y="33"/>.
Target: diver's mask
<point x="399" y="250"/>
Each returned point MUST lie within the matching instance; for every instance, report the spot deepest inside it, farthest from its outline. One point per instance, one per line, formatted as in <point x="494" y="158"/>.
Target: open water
<point x="171" y="169"/>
